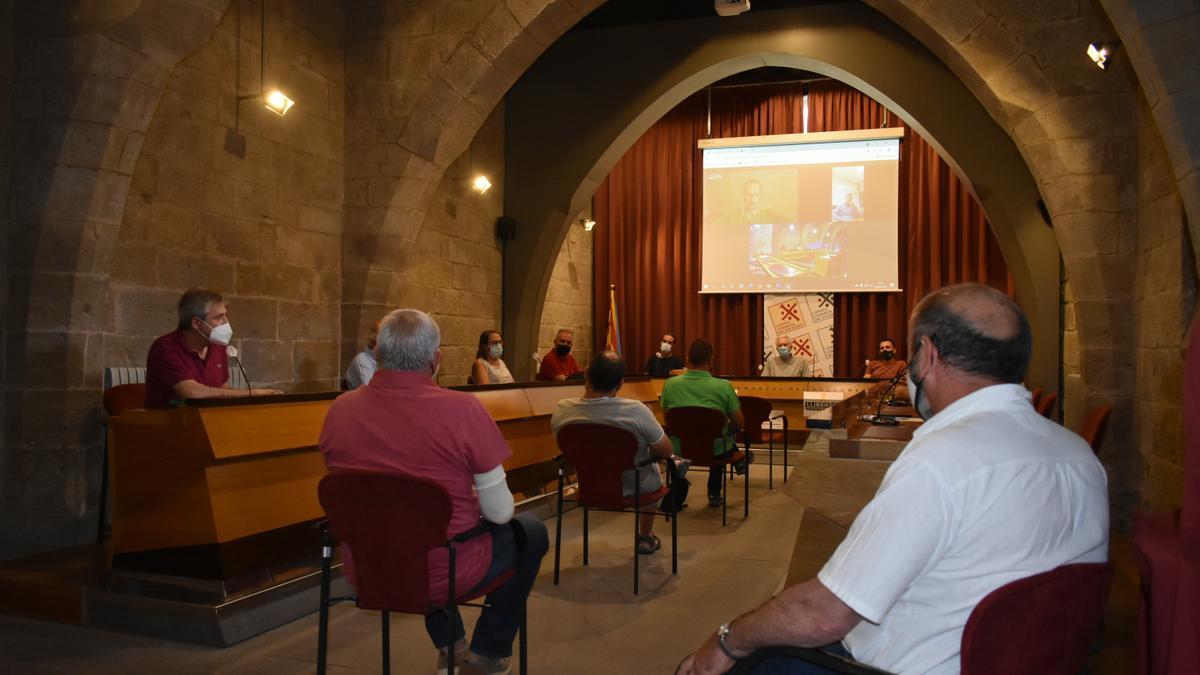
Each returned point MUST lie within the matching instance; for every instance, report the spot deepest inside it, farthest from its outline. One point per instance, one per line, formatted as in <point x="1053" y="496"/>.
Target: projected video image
<point x="847" y="193"/>
<point x="811" y="250"/>
<point x="817" y="216"/>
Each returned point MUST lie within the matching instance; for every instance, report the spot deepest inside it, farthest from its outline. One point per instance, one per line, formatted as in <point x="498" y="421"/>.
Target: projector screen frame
<point x="892" y="134"/>
<point x="883" y="133"/>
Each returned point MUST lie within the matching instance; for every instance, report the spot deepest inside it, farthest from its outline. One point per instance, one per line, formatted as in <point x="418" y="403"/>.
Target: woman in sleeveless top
<point x="489" y="368"/>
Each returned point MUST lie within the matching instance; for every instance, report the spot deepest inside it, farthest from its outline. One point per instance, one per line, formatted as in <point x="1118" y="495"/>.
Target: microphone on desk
<point x="233" y="354"/>
<point x="880" y="419"/>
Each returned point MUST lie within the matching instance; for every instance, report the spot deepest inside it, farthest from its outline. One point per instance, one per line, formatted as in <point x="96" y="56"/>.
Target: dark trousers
<point x="496" y="627"/>
<point x="784" y="666"/>
<point x="714" y="480"/>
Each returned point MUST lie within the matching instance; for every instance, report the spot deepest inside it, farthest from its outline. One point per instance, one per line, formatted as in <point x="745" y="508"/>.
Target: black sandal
<point x="648" y="544"/>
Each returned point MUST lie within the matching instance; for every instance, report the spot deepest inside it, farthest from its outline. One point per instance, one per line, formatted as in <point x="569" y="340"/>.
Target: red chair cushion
<point x="124" y="397"/>
<point x="697" y="428"/>
<point x="600" y="453"/>
<point x="1040" y="624"/>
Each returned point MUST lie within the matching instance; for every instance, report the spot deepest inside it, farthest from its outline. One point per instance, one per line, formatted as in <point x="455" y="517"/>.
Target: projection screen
<point x="801" y="212"/>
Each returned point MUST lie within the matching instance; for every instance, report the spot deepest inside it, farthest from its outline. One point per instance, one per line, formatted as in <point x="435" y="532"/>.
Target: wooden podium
<point x="217" y="489"/>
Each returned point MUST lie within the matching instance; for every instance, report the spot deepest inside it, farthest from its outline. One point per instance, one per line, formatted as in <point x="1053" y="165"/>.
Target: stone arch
<point x="616" y="102"/>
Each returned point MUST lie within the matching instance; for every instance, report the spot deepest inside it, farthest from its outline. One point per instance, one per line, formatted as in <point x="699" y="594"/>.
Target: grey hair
<point x="408" y="340"/>
<point x="194" y="304"/>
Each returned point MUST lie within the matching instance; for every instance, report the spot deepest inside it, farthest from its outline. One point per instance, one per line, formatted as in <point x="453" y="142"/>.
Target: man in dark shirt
<point x="663" y="362"/>
<point x="193" y="360"/>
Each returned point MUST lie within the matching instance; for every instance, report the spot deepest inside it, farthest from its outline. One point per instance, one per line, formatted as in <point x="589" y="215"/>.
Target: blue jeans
<point x="497" y="625"/>
<point x="784" y="666"/>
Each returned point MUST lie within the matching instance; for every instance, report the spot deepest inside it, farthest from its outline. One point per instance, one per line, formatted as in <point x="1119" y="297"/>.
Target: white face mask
<point x="496" y="350"/>
<point x="221" y="335"/>
<point x="665" y="348"/>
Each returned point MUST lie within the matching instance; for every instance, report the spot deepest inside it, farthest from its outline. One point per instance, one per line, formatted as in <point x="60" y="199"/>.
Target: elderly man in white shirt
<point x="987" y="492"/>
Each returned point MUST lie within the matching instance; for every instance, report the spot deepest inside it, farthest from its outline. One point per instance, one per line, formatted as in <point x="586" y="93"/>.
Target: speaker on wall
<point x="506" y="228"/>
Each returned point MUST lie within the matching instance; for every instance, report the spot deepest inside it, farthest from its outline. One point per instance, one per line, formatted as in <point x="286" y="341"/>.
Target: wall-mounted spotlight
<point x="1099" y="53"/>
<point x="277" y="102"/>
<point x="481" y="184"/>
<point x="587" y="224"/>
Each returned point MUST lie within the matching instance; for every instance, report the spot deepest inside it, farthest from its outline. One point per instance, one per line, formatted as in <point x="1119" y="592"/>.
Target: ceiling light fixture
<point x="274" y="100"/>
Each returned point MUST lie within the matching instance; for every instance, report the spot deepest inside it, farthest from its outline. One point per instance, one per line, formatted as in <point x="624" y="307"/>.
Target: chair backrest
<point x="755" y="411"/>
<point x="696" y="428"/>
<point x="391" y="523"/>
<point x="1094" y="426"/>
<point x="1046" y="405"/>
<point x="599" y="453"/>
<point x="124" y="397"/>
<point x="115" y="375"/>
<point x="1041" y="624"/>
<point x="1037" y="396"/>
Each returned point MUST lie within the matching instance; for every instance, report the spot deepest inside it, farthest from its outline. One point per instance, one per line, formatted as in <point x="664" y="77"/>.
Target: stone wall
<point x="256" y="214"/>
<point x="569" y="296"/>
<point x="1166" y="285"/>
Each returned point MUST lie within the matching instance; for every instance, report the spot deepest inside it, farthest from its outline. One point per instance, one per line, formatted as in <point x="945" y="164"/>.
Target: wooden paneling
<point x="233" y="431"/>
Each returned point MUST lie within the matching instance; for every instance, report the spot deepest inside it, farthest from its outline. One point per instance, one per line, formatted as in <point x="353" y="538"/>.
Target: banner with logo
<point x="806" y="319"/>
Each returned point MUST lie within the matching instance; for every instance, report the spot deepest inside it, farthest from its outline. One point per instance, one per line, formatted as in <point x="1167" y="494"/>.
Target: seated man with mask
<point x="988" y="492"/>
<point x="783" y="363"/>
<point x="193" y="360"/>
<point x="403" y="422"/>
<point x="558" y="364"/>
<point x="888" y="366"/>
<point x="665" y="361"/>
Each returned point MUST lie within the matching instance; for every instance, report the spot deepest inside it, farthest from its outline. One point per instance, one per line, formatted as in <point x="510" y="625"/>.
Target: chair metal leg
<point x="323" y="610"/>
<point x="558" y="527"/>
<point x="102" y="507"/>
<point x="637" y="523"/>
<point x="724" y="499"/>
<point x="387" y="644"/>
<point x="522" y="639"/>
<point x="771" y="459"/>
<point x="746" y="494"/>
<point x="785" y="449"/>
<point x="674" y="546"/>
<point x="451" y="610"/>
<point x="585" y="536"/>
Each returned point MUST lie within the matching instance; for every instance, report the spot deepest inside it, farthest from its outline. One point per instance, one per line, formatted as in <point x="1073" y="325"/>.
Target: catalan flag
<point x="613" y="341"/>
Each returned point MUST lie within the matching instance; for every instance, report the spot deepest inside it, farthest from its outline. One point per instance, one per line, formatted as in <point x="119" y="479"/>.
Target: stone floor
<point x="591" y="623"/>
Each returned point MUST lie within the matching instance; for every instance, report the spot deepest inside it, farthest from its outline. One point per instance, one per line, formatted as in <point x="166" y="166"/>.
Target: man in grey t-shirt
<point x="600" y="405"/>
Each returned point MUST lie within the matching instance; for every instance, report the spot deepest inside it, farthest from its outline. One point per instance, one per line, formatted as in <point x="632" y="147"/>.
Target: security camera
<point x="731" y="7"/>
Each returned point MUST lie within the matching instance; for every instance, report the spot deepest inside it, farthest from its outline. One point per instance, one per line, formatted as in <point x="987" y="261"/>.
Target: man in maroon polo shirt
<point x="402" y="422"/>
<point x="558" y="364"/>
<point x="192" y="361"/>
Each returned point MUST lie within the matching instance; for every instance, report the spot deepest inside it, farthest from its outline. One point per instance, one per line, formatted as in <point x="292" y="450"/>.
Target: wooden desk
<point x="852" y="437"/>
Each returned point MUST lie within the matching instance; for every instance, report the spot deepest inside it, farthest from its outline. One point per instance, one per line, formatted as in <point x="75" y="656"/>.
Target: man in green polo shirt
<point x="697" y="387"/>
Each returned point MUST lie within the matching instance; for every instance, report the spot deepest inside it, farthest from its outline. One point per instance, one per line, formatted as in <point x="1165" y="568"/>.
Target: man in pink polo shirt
<point x="402" y="422"/>
<point x="192" y="361"/>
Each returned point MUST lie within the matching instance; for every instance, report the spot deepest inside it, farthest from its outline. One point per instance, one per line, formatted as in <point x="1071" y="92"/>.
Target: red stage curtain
<point x="647" y="237"/>
<point x="945" y="237"/>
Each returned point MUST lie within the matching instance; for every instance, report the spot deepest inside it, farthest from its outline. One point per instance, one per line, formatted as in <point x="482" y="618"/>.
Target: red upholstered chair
<point x="600" y="453"/>
<point x="1037" y="396"/>
<point x="117" y="399"/>
<point x="1094" y="426"/>
<point x="391" y="523"/>
<point x="756" y="411"/>
<point x="1045" y="406"/>
<point x="1043" y="624"/>
<point x="697" y="428"/>
<point x="1168" y="553"/>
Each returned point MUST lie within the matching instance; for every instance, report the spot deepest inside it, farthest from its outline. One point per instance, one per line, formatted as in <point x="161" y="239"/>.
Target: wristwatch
<point x="722" y="633"/>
